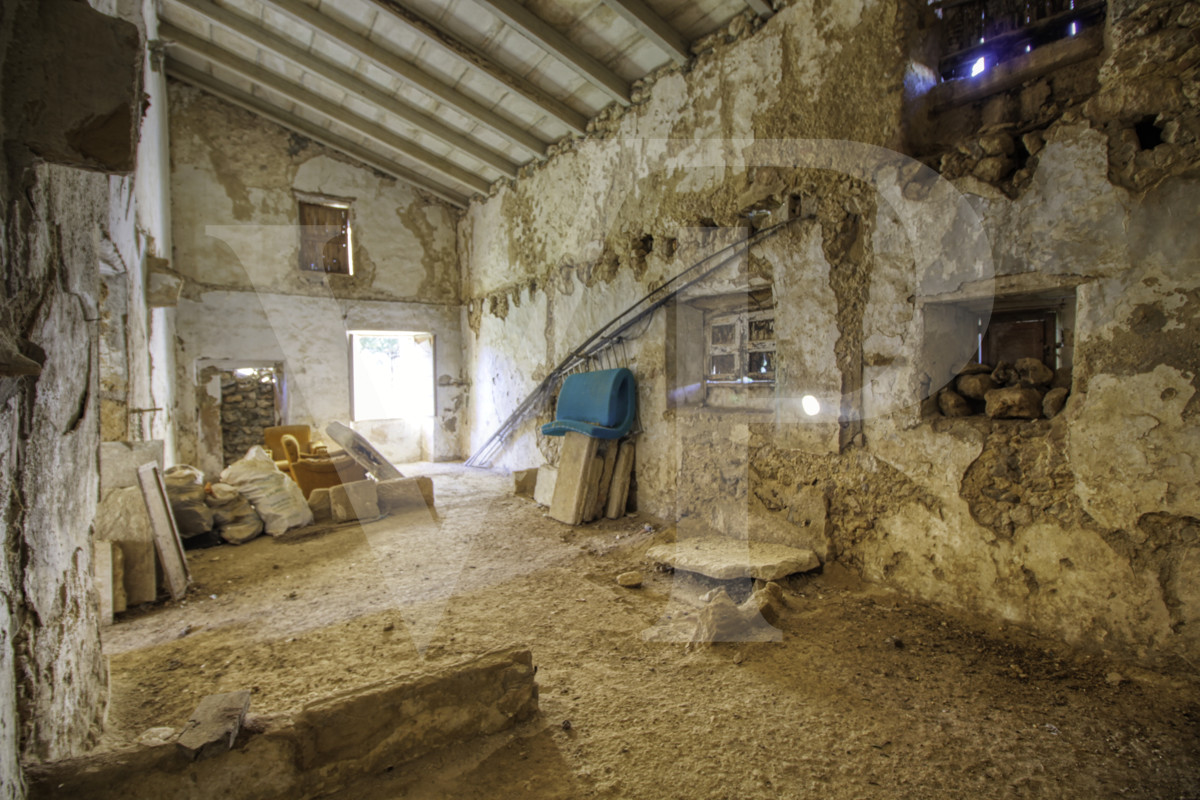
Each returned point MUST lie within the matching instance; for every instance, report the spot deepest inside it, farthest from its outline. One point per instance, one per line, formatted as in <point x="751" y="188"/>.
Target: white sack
<point x="275" y="496"/>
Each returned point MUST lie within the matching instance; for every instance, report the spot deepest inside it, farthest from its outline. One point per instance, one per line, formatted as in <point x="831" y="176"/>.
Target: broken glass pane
<point x="724" y="334"/>
<point x="762" y="330"/>
<point x="724" y="364"/>
<point x="762" y="365"/>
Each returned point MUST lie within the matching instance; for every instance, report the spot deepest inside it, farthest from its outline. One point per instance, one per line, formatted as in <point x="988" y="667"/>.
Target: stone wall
<point x="248" y="406"/>
<point x="53" y="682"/>
<point x="61" y="228"/>
<point x="234" y="184"/>
<point x="1082" y="526"/>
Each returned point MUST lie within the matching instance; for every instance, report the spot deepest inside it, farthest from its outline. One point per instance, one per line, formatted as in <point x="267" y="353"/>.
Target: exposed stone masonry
<point x="248" y="405"/>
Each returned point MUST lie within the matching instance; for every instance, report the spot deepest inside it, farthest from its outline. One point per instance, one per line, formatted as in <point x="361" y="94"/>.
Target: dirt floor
<point x="866" y="695"/>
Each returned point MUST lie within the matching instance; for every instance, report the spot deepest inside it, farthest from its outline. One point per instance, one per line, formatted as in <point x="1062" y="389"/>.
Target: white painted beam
<point x="545" y="36"/>
<point x="761" y="7"/>
<point x="480" y="62"/>
<point x="408" y="72"/>
<point x="650" y="25"/>
<point x="349" y="82"/>
<point x="321" y="105"/>
<point x="286" y="119"/>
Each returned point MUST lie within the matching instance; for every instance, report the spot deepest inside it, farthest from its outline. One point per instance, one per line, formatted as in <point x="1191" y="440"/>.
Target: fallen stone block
<point x="213" y="727"/>
<point x="722" y="620"/>
<point x="630" y="580"/>
<point x="405" y="494"/>
<point x="354" y="501"/>
<point x="766" y="600"/>
<point x="318" y="503"/>
<point x="122" y="518"/>
<point x="1014" y="402"/>
<point x="321" y="749"/>
<point x="525" y="482"/>
<point x="543" y="493"/>
<point x="729" y="559"/>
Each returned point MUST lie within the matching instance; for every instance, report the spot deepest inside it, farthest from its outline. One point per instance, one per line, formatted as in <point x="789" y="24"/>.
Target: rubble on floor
<point x="722" y="620"/>
<point x="726" y="558"/>
<point x="314" y="751"/>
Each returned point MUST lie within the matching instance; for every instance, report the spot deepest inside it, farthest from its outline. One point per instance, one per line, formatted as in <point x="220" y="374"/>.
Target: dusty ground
<point x="868" y="695"/>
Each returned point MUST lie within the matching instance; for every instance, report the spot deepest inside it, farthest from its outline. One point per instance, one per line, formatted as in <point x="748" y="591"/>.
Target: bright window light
<point x="811" y="405"/>
<point x="1073" y="28"/>
<point x="979" y="66"/>
<point x="393" y="374"/>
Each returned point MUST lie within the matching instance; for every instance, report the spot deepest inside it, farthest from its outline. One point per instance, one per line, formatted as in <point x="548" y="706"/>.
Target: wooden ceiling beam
<point x="409" y="72"/>
<point x="322" y="105"/>
<point x="650" y="25"/>
<point x="549" y="39"/>
<point x="350" y="83"/>
<point x="480" y="62"/>
<point x="286" y="119"/>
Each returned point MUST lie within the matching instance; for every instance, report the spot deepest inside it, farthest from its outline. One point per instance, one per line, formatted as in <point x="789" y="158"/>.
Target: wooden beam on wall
<point x="475" y="59"/>
<point x="350" y="82"/>
<point x="545" y="36"/>
<point x="286" y="119"/>
<point x="321" y="105"/>
<point x="409" y="72"/>
<point x="650" y="25"/>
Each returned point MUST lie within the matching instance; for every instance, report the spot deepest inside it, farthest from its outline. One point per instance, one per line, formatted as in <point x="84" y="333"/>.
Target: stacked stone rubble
<point x="1024" y="390"/>
<point x="247" y="408"/>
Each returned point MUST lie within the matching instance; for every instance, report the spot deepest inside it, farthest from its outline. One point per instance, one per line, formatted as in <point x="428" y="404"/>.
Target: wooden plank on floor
<point x="590" y="508"/>
<point x="166" y="534"/>
<point x="618" y="495"/>
<point x="213" y="727"/>
<point x="610" y="461"/>
<point x="574" y="468"/>
<point x="102" y="566"/>
<point x="119" y="601"/>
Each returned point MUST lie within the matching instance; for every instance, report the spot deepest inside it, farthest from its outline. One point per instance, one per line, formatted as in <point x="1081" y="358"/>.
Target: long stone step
<point x="726" y="559"/>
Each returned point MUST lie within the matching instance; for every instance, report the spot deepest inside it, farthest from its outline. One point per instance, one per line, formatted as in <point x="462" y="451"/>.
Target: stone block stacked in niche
<point x="248" y="406"/>
<point x="1022" y="390"/>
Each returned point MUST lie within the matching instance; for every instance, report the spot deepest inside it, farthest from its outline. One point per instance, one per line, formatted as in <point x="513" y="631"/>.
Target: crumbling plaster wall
<point x="137" y="366"/>
<point x="234" y="179"/>
<point x="62" y="228"/>
<point x="61" y="224"/>
<point x="1084" y="525"/>
<point x="308" y="335"/>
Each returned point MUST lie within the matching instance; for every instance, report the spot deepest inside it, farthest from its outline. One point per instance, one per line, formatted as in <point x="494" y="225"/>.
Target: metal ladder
<point x="599" y="349"/>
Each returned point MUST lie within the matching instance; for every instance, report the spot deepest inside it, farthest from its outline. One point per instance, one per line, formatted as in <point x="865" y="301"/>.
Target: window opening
<point x="1013" y="335"/>
<point x="391" y="374"/>
<point x="979" y="34"/>
<point x="326" y="243"/>
<point x="741" y="342"/>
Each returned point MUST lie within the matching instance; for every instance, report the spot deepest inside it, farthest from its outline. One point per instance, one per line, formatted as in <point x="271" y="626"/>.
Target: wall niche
<point x="1002" y="357"/>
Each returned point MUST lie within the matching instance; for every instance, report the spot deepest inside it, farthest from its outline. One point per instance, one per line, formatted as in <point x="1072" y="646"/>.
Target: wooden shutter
<point x="1020" y="334"/>
<point x="324" y="238"/>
